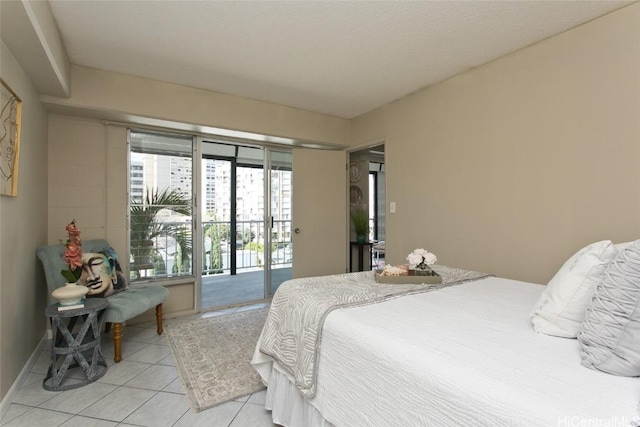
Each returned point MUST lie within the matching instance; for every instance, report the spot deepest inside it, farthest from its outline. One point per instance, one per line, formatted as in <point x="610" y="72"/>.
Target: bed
<point x="460" y="355"/>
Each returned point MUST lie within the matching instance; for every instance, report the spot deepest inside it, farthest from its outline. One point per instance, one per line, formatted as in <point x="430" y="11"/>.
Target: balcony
<point x="224" y="289"/>
<point x="232" y="270"/>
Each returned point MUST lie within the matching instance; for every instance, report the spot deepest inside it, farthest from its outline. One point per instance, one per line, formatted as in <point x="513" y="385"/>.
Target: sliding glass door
<point x="246" y="223"/>
<point x="279" y="191"/>
<point x="223" y="218"/>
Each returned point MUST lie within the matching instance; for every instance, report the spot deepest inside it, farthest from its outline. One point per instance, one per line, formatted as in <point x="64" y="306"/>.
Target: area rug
<point x="213" y="356"/>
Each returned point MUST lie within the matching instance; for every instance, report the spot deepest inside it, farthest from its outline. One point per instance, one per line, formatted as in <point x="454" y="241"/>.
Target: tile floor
<point x="142" y="390"/>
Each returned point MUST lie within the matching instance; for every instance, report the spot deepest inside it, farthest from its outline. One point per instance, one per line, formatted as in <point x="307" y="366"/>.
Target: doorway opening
<point x="367" y="197"/>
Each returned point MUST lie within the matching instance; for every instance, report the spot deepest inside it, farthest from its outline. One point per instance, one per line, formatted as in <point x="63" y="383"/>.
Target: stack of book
<point x="70" y="307"/>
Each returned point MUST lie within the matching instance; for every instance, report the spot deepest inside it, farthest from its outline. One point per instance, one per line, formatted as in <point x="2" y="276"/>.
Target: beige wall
<point x="88" y="180"/>
<point x="179" y="302"/>
<point x="513" y="166"/>
<point x="107" y="94"/>
<point x="23" y="227"/>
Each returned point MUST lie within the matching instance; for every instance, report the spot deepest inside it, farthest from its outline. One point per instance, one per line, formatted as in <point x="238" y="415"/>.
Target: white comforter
<point x="464" y="355"/>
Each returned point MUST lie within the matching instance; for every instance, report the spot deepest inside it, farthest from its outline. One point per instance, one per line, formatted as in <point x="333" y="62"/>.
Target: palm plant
<point x="212" y="259"/>
<point x="146" y="226"/>
<point x="360" y="218"/>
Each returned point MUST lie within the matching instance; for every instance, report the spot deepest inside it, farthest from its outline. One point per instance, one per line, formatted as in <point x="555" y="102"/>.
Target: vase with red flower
<point x="71" y="293"/>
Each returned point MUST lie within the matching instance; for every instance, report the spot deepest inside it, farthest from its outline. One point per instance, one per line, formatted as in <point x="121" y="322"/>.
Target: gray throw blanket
<point x="293" y="330"/>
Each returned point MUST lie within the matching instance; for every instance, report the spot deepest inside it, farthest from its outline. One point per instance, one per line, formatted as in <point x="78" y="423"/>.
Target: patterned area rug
<point x="213" y="356"/>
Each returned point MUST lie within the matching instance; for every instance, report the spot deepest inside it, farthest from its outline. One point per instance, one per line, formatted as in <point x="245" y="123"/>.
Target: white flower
<point x="419" y="256"/>
<point x="414" y="259"/>
<point x="430" y="259"/>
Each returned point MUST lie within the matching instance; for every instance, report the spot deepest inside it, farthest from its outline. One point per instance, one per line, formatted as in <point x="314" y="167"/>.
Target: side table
<point x="72" y="347"/>
<point x="362" y="249"/>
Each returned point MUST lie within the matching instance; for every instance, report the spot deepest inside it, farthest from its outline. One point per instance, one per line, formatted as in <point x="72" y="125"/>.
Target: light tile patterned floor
<point x="142" y="390"/>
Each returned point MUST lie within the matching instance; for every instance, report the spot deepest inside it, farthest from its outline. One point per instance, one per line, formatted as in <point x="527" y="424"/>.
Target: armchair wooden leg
<point x="159" y="318"/>
<point x="117" y="342"/>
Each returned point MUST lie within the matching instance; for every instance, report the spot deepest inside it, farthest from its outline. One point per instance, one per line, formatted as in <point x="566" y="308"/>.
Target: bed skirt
<point x="288" y="407"/>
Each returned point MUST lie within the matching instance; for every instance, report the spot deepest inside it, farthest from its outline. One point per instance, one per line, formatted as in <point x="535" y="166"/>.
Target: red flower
<point x="74" y="233"/>
<point x="73" y="253"/>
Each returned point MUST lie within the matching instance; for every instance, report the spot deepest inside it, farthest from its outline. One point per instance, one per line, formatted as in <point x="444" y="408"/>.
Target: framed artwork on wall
<point x="355" y="196"/>
<point x="11" y="114"/>
<point x="354" y="172"/>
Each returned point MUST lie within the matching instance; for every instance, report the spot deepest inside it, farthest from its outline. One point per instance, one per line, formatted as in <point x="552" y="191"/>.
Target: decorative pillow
<point x="622" y="246"/>
<point x="561" y="308"/>
<point x="610" y="334"/>
<point x="102" y="274"/>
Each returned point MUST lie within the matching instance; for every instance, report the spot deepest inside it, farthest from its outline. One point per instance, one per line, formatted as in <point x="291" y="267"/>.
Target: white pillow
<point x="562" y="306"/>
<point x="610" y="334"/>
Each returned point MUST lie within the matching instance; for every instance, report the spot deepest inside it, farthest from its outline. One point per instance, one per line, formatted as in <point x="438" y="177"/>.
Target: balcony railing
<point x="217" y="250"/>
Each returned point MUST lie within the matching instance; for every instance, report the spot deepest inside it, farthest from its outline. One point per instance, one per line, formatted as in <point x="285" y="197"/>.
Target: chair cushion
<point x="126" y="305"/>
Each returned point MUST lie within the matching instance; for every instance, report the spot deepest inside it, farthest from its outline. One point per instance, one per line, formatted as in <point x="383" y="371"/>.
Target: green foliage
<point x="158" y="264"/>
<point x="224" y="232"/>
<point x="146" y="226"/>
<point x="360" y="219"/>
<point x="72" y="276"/>
<point x="248" y="235"/>
<point x="253" y="246"/>
<point x="213" y="257"/>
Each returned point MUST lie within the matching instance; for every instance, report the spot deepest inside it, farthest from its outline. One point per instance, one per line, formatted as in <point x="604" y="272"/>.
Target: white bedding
<point x="464" y="355"/>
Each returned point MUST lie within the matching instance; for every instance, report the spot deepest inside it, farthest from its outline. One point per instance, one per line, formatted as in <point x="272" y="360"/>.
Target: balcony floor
<point x="221" y="290"/>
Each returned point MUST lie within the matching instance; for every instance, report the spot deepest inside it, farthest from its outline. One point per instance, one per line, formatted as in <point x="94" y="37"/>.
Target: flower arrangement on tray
<point x="421" y="259"/>
<point x="417" y="271"/>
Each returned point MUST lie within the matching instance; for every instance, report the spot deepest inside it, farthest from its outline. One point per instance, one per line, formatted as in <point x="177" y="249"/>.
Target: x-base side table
<point x="79" y="347"/>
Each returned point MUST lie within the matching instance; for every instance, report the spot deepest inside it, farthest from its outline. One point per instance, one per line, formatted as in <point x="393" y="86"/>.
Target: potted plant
<point x="360" y="219"/>
<point x="146" y="226"/>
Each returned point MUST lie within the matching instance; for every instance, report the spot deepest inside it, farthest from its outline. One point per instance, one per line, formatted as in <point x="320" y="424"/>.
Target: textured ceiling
<point x="342" y="58"/>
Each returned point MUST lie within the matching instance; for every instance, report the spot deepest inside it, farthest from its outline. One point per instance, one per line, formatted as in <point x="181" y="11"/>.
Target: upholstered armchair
<point x="122" y="306"/>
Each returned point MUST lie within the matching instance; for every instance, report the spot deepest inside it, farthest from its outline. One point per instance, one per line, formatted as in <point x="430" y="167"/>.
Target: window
<point x="161" y="207"/>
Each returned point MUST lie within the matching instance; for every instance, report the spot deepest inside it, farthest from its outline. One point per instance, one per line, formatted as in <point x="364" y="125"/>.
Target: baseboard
<point x="11" y="394"/>
<point x="179" y="314"/>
